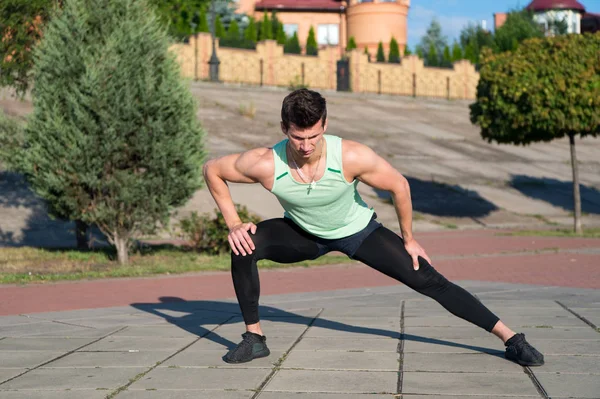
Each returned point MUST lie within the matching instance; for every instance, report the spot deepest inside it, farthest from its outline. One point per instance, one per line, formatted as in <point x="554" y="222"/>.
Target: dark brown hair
<point x="303" y="108"/>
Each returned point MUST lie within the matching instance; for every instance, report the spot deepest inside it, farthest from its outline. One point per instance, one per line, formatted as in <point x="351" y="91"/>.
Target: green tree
<point x="394" y="56"/>
<point x="447" y="58"/>
<point x="281" y="36"/>
<point x="233" y="33"/>
<point x="367" y="53"/>
<point x="470" y="54"/>
<point x="547" y="89"/>
<point x="21" y="26"/>
<point x="433" y="38"/>
<point x="12" y="132"/>
<point x="407" y="51"/>
<point x="477" y="38"/>
<point x="275" y="24"/>
<point x="457" y="53"/>
<point x="250" y="33"/>
<point x="433" y="59"/>
<point x="420" y="52"/>
<point x="203" y="22"/>
<point x="219" y="28"/>
<point x="266" y="29"/>
<point x="178" y="15"/>
<point x="311" y="43"/>
<point x="351" y="44"/>
<point x="113" y="139"/>
<point x="292" y="46"/>
<point x="380" y="57"/>
<point x="519" y="26"/>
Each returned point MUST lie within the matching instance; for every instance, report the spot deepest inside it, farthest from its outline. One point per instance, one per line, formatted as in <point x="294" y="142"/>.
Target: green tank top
<point x="333" y="208"/>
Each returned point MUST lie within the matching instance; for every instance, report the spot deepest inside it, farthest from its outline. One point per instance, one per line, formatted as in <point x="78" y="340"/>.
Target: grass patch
<point x="587" y="233"/>
<point x="35" y="265"/>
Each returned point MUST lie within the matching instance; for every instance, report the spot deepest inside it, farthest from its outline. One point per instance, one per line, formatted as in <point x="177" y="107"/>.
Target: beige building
<point x="335" y="21"/>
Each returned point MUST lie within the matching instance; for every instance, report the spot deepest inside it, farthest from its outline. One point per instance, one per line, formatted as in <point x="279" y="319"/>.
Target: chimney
<point x="499" y="19"/>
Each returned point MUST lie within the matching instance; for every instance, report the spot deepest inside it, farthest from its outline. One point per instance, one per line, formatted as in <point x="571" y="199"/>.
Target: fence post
<point x="414" y="85"/>
<point x="379" y="81"/>
<point x="261" y="71"/>
<point x="302" y="74"/>
<point x="448" y="87"/>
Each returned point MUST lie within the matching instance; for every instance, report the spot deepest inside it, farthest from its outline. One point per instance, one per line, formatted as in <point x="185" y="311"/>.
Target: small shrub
<point x="297" y="84"/>
<point x="209" y="234"/>
<point x="248" y="110"/>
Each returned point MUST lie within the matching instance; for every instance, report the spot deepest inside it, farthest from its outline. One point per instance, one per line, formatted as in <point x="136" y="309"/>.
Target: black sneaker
<point x="252" y="347"/>
<point x="520" y="351"/>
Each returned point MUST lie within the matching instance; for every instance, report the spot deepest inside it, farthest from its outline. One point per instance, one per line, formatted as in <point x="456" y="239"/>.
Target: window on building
<point x="328" y="34"/>
<point x="290" y="29"/>
<point x="387" y="1"/>
<point x="365" y="1"/>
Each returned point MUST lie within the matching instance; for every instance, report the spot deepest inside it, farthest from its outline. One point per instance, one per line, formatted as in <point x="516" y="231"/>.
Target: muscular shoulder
<point x="257" y="163"/>
<point x="356" y="157"/>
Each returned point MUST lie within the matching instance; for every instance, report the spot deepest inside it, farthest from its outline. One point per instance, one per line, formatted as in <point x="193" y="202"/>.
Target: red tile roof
<point x="299" y="4"/>
<point x="543" y="5"/>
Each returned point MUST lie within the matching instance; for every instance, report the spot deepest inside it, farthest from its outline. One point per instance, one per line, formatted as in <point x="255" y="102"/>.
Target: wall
<point x="278" y="69"/>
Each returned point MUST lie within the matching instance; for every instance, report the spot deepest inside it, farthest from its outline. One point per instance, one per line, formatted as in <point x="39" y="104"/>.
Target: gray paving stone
<point x="214" y="358"/>
<point x="177" y="394"/>
<point x="165" y="331"/>
<point x="300" y="395"/>
<point x="47" y="394"/>
<point x="459" y="363"/>
<point x="33" y="329"/>
<point x="360" y="311"/>
<point x="113" y="343"/>
<point x="43" y="344"/>
<point x="475" y="332"/>
<point x="462" y="384"/>
<point x="26" y="359"/>
<point x="570" y="385"/>
<point x="66" y="315"/>
<point x="563" y="364"/>
<point x="322" y="360"/>
<point x="365" y="382"/>
<point x="591" y="314"/>
<point x="473" y="345"/>
<point x="568" y="347"/>
<point x="202" y="379"/>
<point x="7" y="373"/>
<point x="356" y="345"/>
<point x="216" y="342"/>
<point x="77" y="332"/>
<point x="461" y="397"/>
<point x="6" y="321"/>
<point x="352" y="332"/>
<point x="109" y="359"/>
<point x="499" y="304"/>
<point x="71" y="378"/>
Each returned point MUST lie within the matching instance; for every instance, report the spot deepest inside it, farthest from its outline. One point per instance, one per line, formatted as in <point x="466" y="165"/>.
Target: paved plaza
<point x="369" y="343"/>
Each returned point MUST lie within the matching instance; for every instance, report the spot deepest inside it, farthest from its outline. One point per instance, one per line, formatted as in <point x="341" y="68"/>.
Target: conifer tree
<point x="407" y="51"/>
<point x="380" y="54"/>
<point x="203" y="25"/>
<point x="281" y="37"/>
<point x="250" y="33"/>
<point x="266" y="29"/>
<point x="292" y="45"/>
<point x="311" y="43"/>
<point x="113" y="140"/>
<point x="351" y="44"/>
<point x="432" y="57"/>
<point x="447" y="58"/>
<point x="233" y="33"/>
<point x="394" y="56"/>
<point x="456" y="52"/>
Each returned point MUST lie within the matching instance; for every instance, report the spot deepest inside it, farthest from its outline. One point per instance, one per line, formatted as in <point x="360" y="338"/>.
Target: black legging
<point x="282" y="241"/>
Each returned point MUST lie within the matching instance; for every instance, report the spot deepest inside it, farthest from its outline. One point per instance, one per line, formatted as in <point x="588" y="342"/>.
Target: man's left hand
<point x="415" y="250"/>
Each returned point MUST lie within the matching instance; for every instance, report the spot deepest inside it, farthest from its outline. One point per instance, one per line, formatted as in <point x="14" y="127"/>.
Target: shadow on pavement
<point x="204" y="313"/>
<point x="440" y="199"/>
<point x="557" y="192"/>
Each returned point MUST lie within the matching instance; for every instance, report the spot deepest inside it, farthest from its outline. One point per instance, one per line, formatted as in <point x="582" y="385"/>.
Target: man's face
<point x="304" y="142"/>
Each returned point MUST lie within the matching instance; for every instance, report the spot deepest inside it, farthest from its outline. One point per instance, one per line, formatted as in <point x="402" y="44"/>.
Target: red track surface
<point x="468" y="255"/>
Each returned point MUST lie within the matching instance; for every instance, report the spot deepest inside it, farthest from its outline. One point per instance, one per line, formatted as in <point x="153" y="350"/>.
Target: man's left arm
<point x="368" y="167"/>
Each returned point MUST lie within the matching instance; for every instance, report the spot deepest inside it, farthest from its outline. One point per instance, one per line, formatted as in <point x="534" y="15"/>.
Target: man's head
<point x="302" y="109"/>
<point x="304" y="120"/>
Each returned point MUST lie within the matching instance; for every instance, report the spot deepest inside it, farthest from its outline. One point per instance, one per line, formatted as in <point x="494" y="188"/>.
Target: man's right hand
<point x="240" y="240"/>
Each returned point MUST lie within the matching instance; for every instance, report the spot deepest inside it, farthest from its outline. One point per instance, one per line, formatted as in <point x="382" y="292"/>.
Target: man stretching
<point x="314" y="177"/>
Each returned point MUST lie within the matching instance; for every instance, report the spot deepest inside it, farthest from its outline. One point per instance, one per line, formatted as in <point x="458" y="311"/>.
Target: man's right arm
<point x="247" y="167"/>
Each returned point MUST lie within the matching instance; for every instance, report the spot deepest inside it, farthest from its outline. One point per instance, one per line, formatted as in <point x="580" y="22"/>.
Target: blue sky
<point x="454" y="14"/>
